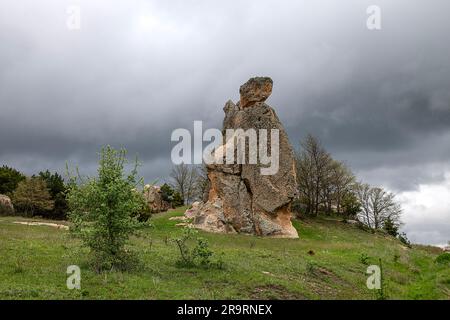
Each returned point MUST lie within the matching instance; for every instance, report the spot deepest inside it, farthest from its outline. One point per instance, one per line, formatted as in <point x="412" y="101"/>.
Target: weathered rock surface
<point x="154" y="199"/>
<point x="255" y="90"/>
<point x="240" y="198"/>
<point x="6" y="206"/>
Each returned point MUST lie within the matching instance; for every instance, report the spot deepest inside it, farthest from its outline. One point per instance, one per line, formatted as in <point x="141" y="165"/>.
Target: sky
<point x="136" y="70"/>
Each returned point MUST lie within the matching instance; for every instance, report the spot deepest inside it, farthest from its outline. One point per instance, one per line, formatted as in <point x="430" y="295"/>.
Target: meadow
<point x="328" y="261"/>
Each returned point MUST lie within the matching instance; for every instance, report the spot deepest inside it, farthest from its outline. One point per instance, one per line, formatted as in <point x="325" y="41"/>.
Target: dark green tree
<point x="390" y="227"/>
<point x="55" y="183"/>
<point x="170" y="195"/>
<point x="350" y="205"/>
<point x="167" y="193"/>
<point x="178" y="200"/>
<point x="57" y="188"/>
<point x="9" y="179"/>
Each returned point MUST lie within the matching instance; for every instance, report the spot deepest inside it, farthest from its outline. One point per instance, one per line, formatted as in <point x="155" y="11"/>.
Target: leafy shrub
<point x="404" y="239"/>
<point x="177" y="200"/>
<point x="365" y="228"/>
<point x="186" y="257"/>
<point x="104" y="210"/>
<point x="364" y="258"/>
<point x="202" y="252"/>
<point x="200" y="255"/>
<point x="443" y="258"/>
<point x="390" y="227"/>
<point x="144" y="214"/>
<point x="168" y="194"/>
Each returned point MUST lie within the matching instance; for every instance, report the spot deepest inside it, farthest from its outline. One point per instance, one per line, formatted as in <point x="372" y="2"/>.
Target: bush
<point x="186" y="257"/>
<point x="404" y="239"/>
<point x="202" y="252"/>
<point x="168" y="194"/>
<point x="104" y="210"/>
<point x="178" y="200"/>
<point x="364" y="258"/>
<point x="200" y="255"/>
<point x="365" y="228"/>
<point x="390" y="227"/>
<point x="443" y="258"/>
<point x="144" y="214"/>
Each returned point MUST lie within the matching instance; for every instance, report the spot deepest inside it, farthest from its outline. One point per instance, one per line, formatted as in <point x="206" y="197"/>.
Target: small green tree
<point x="170" y="195"/>
<point x="200" y="255"/>
<point x="178" y="200"/>
<point x="350" y="205"/>
<point x="390" y="227"/>
<point x="104" y="210"/>
<point x="32" y="197"/>
<point x="9" y="179"/>
<point x="167" y="193"/>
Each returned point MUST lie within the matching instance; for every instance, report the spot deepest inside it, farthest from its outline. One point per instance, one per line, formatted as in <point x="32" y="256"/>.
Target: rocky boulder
<point x="6" y="206"/>
<point x="241" y="199"/>
<point x="255" y="90"/>
<point x="155" y="200"/>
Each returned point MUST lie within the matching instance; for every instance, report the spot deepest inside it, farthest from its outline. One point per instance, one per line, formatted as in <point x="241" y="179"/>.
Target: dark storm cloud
<point x="139" y="69"/>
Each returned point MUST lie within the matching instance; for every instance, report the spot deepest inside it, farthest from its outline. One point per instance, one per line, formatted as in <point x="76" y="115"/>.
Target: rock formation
<point x="241" y="199"/>
<point x="154" y="199"/>
<point x="6" y="206"/>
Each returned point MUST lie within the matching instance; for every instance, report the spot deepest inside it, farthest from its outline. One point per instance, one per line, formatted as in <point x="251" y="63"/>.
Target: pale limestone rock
<point x="154" y="199"/>
<point x="240" y="198"/>
<point x="6" y="206"/>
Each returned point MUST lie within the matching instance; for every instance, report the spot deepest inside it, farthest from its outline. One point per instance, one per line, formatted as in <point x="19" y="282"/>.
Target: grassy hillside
<point x="325" y="263"/>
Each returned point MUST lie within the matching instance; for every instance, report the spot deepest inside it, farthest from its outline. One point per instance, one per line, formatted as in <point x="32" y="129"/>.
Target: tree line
<point x="328" y="186"/>
<point x="43" y="194"/>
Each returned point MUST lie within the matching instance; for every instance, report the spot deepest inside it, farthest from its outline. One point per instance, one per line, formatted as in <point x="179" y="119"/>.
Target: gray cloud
<point x="139" y="69"/>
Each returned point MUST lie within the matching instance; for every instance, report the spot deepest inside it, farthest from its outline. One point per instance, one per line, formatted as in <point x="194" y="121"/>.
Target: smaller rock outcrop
<point x="6" y="206"/>
<point x="155" y="200"/>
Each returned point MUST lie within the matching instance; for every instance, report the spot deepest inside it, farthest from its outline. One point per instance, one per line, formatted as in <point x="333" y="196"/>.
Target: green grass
<point x="325" y="263"/>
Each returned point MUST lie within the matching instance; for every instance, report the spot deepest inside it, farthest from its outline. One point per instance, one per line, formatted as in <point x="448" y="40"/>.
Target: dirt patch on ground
<point x="275" y="292"/>
<point x="326" y="284"/>
<point x="54" y="225"/>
